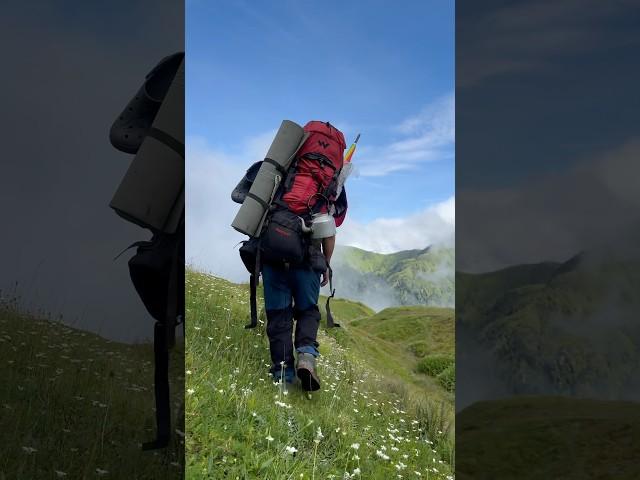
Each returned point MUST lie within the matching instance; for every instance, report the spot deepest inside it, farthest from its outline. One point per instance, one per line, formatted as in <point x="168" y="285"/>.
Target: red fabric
<point x="311" y="176"/>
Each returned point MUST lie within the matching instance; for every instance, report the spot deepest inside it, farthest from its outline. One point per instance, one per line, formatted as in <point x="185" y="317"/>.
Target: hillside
<point x="410" y="277"/>
<point x="75" y="405"/>
<point x="410" y="340"/>
<point x="374" y="416"/>
<point x="529" y="438"/>
<point x="555" y="328"/>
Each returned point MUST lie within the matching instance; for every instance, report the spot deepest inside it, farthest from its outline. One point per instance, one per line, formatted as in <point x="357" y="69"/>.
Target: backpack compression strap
<point x="330" y="322"/>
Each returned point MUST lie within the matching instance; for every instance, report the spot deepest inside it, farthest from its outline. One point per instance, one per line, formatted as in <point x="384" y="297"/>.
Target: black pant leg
<point x="279" y="331"/>
<point x="307" y="323"/>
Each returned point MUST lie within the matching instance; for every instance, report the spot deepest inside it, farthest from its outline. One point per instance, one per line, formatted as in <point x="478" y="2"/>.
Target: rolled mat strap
<point x="264" y="204"/>
<point x="277" y="166"/>
<point x="171" y="142"/>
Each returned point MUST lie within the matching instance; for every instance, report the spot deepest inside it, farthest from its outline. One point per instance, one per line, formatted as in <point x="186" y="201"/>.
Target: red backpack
<point x="316" y="167"/>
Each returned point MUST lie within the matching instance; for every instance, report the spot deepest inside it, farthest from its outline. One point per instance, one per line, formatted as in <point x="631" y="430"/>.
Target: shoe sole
<point x="308" y="383"/>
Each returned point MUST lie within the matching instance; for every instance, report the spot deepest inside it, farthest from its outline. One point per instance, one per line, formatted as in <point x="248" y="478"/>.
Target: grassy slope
<point x="232" y="410"/>
<point x="81" y="403"/>
<point x="549" y="437"/>
<point x="395" y="339"/>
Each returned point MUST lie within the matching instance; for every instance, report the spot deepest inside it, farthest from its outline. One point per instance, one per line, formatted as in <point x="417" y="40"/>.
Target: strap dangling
<point x="330" y="322"/>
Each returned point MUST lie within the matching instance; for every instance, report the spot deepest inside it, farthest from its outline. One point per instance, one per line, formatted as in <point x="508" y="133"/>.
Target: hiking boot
<point x="287" y="377"/>
<point x="306" y="370"/>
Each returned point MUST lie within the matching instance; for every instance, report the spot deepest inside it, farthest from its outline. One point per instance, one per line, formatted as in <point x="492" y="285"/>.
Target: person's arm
<point x="328" y="245"/>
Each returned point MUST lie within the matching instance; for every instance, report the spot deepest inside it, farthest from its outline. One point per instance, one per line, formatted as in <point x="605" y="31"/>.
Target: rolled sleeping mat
<point x="285" y="145"/>
<point x="151" y="193"/>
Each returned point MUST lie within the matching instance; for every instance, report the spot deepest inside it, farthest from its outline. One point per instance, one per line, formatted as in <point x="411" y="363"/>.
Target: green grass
<point x="75" y="405"/>
<point x="434" y="365"/>
<point x="239" y="424"/>
<point x="447" y="378"/>
<point x="548" y="437"/>
<point x="389" y="338"/>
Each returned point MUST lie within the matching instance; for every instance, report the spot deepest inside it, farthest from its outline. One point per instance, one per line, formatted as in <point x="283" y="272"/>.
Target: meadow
<point x="375" y="417"/>
<point x="75" y="405"/>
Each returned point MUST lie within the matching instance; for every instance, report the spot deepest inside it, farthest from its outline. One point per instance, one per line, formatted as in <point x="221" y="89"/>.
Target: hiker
<point x="292" y="292"/>
<point x="292" y="229"/>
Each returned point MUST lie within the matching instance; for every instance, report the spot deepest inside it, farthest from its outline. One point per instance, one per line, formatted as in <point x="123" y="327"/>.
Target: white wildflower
<point x="291" y="450"/>
<point x="382" y="455"/>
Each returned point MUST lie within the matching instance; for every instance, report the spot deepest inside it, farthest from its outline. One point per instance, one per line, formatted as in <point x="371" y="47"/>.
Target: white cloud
<point x="428" y="136"/>
<point x="211" y="175"/>
<point x="434" y="225"/>
<point x="592" y="207"/>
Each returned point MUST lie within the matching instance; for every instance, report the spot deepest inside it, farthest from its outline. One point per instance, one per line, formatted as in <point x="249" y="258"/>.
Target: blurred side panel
<point x="547" y="251"/>
<point x="77" y="387"/>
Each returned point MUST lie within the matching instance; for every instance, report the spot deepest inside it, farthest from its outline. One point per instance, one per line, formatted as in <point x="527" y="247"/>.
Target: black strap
<point x="134" y="244"/>
<point x="253" y="302"/>
<point x="163" y="340"/>
<point x="254" y="281"/>
<point x="279" y="167"/>
<point x="161" y="387"/>
<point x="264" y="204"/>
<point x="291" y="174"/>
<point x="330" y="322"/>
<point x="168" y="140"/>
<point x="321" y="159"/>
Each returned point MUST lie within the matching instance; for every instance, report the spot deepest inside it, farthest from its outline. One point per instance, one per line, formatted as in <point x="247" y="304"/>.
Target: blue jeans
<point x="288" y="294"/>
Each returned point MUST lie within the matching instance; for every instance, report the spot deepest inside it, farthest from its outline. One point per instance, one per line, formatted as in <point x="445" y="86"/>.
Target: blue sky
<point x="366" y="66"/>
<point x="377" y="68"/>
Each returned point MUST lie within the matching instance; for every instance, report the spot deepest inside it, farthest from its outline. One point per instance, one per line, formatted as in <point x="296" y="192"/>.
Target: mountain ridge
<point x="408" y="277"/>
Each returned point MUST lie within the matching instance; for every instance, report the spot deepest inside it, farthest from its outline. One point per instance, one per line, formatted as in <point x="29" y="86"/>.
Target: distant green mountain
<point x="555" y="328"/>
<point x="409" y="277"/>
